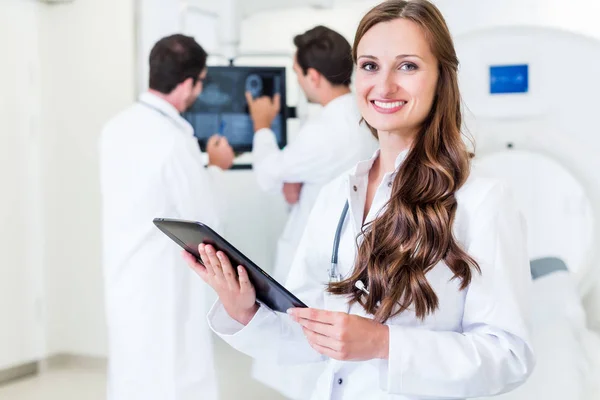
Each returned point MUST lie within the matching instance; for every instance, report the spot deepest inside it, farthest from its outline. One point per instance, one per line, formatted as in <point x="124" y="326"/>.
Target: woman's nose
<point x="387" y="84"/>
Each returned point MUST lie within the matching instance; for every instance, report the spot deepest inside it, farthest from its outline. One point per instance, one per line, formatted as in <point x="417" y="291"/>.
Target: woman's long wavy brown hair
<point x="413" y="233"/>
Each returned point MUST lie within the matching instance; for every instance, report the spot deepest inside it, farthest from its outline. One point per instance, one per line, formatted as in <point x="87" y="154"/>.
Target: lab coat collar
<point x="363" y="167"/>
<point x="167" y="108"/>
<point x="400" y="159"/>
<point x="357" y="186"/>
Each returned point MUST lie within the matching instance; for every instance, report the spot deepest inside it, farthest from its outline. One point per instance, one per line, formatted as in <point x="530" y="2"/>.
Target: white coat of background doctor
<point x="159" y="344"/>
<point x="326" y="145"/>
<point x="443" y="309"/>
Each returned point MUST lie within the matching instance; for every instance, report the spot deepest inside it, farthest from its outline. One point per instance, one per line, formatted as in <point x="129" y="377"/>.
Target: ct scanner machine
<point x="530" y="81"/>
<point x="531" y="98"/>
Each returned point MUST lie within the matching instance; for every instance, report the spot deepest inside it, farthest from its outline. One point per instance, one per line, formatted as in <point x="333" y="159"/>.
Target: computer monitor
<point x="222" y="107"/>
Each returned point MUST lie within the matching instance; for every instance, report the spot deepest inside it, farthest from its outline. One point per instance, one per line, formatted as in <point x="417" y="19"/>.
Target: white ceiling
<point x="249" y="7"/>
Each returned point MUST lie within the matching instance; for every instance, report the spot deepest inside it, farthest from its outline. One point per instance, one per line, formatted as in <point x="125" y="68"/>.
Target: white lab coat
<point x="159" y="344"/>
<point x="326" y="146"/>
<point x="475" y="344"/>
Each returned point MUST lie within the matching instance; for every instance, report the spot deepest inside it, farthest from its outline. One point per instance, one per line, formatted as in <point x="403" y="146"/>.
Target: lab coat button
<point x="340" y="381"/>
<point x="355" y="188"/>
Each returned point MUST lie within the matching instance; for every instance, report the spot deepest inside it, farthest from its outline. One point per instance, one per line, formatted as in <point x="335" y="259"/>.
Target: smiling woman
<point x="402" y="98"/>
<point x="433" y="305"/>
<point x="388" y="82"/>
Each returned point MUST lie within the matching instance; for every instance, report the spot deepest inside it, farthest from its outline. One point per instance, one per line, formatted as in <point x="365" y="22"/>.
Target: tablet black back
<point x="189" y="234"/>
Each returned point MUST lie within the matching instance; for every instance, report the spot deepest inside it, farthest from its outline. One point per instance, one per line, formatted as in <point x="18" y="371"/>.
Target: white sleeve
<point x="309" y="158"/>
<point x="191" y="188"/>
<point x="493" y="354"/>
<point x="272" y="335"/>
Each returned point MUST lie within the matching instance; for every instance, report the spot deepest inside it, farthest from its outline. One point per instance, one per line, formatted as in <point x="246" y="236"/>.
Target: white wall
<point x="22" y="336"/>
<point x="87" y="54"/>
<point x="462" y="16"/>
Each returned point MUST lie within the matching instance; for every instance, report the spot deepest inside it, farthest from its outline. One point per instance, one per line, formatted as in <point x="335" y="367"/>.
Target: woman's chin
<point x="383" y="124"/>
<point x="385" y="127"/>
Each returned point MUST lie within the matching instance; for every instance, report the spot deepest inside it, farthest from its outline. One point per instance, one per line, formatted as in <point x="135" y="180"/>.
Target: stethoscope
<point x="163" y="113"/>
<point x="334" y="273"/>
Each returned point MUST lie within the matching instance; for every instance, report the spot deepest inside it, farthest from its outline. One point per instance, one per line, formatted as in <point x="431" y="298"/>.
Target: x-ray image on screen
<point x="222" y="108"/>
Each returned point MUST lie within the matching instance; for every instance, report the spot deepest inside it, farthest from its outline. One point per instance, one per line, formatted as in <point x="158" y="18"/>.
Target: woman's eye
<point x="368" y="66"/>
<point x="408" y="67"/>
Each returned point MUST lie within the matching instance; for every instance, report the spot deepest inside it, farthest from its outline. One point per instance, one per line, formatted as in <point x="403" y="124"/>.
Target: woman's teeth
<point x="389" y="104"/>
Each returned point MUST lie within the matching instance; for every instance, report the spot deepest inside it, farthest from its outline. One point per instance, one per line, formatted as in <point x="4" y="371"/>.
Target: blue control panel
<point x="509" y="79"/>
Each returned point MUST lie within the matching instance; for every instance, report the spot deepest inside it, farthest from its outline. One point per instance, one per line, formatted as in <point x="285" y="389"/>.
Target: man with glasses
<point x="151" y="166"/>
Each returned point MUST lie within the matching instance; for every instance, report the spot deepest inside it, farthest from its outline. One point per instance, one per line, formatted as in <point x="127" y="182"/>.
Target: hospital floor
<point x="88" y="381"/>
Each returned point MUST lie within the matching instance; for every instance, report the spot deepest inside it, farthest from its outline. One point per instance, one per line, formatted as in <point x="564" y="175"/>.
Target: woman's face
<point x="396" y="77"/>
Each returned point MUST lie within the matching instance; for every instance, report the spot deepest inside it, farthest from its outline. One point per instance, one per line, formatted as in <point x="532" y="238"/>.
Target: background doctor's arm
<point x="303" y="160"/>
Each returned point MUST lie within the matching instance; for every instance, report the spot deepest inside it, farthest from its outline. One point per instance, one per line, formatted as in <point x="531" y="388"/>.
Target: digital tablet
<point x="189" y="234"/>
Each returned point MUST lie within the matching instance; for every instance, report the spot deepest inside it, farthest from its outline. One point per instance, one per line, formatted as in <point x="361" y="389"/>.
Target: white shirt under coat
<point x="475" y="344"/>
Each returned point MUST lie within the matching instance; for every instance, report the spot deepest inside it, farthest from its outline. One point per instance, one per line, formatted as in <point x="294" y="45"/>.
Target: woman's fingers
<point x="326" y="351"/>
<point x="218" y="265"/>
<point x="319" y="327"/>
<point x="214" y="261"/>
<point x="313" y="314"/>
<point x="228" y="272"/>
<point x="195" y="265"/>
<point x="322" y="340"/>
<point x="205" y="259"/>
<point x="245" y="284"/>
